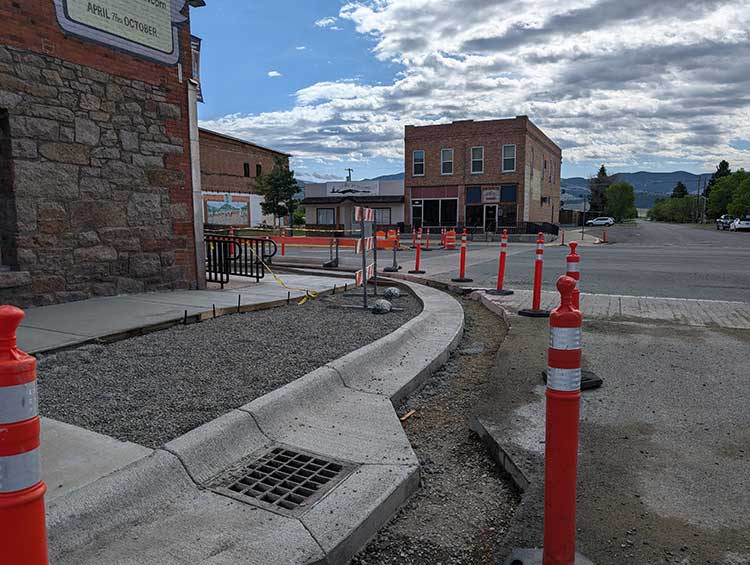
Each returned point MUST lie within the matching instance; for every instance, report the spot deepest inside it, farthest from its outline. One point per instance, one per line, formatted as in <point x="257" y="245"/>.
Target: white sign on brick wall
<point x="143" y="27"/>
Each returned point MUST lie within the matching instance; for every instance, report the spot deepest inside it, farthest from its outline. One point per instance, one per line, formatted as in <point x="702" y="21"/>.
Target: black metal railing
<point x="228" y="255"/>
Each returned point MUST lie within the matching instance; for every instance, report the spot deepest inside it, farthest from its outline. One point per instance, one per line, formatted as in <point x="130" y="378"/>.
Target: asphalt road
<point x="642" y="259"/>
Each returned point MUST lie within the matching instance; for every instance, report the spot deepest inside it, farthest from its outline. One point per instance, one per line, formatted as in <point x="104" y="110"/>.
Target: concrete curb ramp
<point x="158" y="510"/>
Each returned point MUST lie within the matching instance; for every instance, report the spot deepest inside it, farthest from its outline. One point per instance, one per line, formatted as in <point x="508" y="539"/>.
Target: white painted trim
<point x="195" y="173"/>
<point x="471" y="160"/>
<point x="452" y="161"/>
<point x="424" y="162"/>
<point x="515" y="158"/>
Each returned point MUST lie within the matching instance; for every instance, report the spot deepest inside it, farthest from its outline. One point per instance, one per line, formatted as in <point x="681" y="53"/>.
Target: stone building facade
<point x="95" y="165"/>
<point x="485" y="175"/>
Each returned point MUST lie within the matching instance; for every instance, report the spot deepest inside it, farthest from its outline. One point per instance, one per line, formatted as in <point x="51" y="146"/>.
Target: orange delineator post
<point x="427" y="240"/>
<point x="536" y="310"/>
<point x="561" y="436"/>
<point x="573" y="271"/>
<point x="500" y="291"/>
<point x="231" y="244"/>
<point x="563" y="237"/>
<point x="417" y="270"/>
<point x="23" y="529"/>
<point x="604" y="236"/>
<point x="413" y="238"/>
<point x="442" y="237"/>
<point x="462" y="261"/>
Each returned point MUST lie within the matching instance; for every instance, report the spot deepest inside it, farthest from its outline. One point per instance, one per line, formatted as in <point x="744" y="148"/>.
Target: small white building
<point x="331" y="205"/>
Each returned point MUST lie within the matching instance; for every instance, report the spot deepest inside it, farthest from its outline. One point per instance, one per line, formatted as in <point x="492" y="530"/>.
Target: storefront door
<point x="490" y="218"/>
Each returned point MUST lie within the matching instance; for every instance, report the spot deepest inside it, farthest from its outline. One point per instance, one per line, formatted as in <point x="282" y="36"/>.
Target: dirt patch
<point x="465" y="504"/>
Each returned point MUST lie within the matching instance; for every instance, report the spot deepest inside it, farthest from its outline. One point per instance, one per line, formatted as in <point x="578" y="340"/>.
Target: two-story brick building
<point x="230" y="168"/>
<point x="98" y="148"/>
<point x="484" y="175"/>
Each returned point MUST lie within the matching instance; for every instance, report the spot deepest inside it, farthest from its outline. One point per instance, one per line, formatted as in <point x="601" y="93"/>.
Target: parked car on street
<point x="602" y="221"/>
<point x="723" y="221"/>
<point x="740" y="224"/>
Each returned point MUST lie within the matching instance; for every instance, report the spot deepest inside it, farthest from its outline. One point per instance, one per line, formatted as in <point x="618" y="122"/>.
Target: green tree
<point x="722" y="171"/>
<point x="278" y="189"/>
<point x="598" y="187"/>
<point x="740" y="204"/>
<point x="620" y="199"/>
<point x="680" y="190"/>
<point x="679" y="210"/>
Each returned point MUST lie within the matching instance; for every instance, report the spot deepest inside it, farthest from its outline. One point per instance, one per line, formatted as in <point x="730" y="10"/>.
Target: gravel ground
<point x="465" y="504"/>
<point x="154" y="388"/>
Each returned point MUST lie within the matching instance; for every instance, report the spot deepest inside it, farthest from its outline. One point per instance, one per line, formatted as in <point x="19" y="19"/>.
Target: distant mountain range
<point x="648" y="186"/>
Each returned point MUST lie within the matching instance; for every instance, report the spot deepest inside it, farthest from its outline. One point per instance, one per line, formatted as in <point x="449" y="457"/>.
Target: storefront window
<point x="475" y="216"/>
<point x="507" y="215"/>
<point x="326" y="216"/>
<point x="431" y="213"/>
<point x="449" y="212"/>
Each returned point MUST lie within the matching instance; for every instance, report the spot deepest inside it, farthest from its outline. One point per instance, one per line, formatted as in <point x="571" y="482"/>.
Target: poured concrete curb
<point x="343" y="410"/>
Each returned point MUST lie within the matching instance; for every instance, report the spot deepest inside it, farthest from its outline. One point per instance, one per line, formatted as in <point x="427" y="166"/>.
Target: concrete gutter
<point x="158" y="509"/>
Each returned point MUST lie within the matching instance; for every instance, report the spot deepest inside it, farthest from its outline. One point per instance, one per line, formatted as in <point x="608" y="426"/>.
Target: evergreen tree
<point x="278" y="189"/>
<point x="722" y="171"/>
<point x="680" y="190"/>
<point x="597" y="187"/>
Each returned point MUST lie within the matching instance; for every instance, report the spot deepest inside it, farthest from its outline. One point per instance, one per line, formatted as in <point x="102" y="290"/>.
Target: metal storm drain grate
<point x="283" y="479"/>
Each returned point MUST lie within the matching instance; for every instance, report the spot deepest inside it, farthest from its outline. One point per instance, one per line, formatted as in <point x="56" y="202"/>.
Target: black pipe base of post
<point x="391" y="269"/>
<point x="501" y="292"/>
<point x="462" y="280"/>
<point x="528" y="312"/>
<point x="417" y="272"/>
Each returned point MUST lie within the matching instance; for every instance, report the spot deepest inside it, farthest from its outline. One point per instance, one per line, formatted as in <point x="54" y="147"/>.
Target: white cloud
<point x="613" y="81"/>
<point x="326" y="22"/>
<point x="300" y="48"/>
<point x="274" y="74"/>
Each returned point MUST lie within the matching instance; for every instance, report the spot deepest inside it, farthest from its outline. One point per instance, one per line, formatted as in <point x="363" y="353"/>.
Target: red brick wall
<point x="222" y="163"/>
<point x="461" y="137"/>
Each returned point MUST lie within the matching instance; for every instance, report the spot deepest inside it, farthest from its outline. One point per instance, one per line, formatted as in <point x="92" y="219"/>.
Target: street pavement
<point x="663" y="457"/>
<point x="643" y="259"/>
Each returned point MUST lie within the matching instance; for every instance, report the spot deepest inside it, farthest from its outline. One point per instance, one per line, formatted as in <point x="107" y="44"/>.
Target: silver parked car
<point x="601" y="221"/>
<point x="723" y="221"/>
<point x="740" y="224"/>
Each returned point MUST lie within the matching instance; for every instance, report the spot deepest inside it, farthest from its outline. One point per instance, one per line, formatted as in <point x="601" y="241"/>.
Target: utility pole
<point x="349" y="174"/>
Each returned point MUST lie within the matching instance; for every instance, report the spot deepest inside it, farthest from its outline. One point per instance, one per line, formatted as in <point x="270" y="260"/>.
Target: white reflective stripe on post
<point x="572" y="267"/>
<point x="18" y="403"/>
<point x="565" y="338"/>
<point x="564" y="380"/>
<point x="540" y="247"/>
<point x="19" y="472"/>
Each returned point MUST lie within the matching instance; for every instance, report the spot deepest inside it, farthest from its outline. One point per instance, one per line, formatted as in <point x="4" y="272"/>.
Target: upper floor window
<point x="477" y="160"/>
<point x="532" y="161"/>
<point x="446" y="162"/>
<point x="417" y="160"/>
<point x="258" y="170"/>
<point x="247" y="169"/>
<point x="509" y="158"/>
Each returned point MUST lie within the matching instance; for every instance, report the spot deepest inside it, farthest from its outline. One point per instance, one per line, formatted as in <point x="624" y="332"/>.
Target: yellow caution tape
<point x="308" y="293"/>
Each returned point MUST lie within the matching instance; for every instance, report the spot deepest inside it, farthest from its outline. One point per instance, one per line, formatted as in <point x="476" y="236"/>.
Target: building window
<point x="477" y="160"/>
<point x="475" y="216"/>
<point x="473" y="194"/>
<point x="258" y="170"/>
<point x="326" y="216"/>
<point x="417" y="163"/>
<point x="383" y="216"/>
<point x="506" y="215"/>
<point x="247" y="169"/>
<point x="508" y="193"/>
<point x="532" y="162"/>
<point x="435" y="212"/>
<point x="551" y="171"/>
<point x="446" y="162"/>
<point x="509" y="158"/>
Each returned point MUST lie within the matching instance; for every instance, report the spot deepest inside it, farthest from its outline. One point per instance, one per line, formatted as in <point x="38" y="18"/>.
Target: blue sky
<point x="349" y="75"/>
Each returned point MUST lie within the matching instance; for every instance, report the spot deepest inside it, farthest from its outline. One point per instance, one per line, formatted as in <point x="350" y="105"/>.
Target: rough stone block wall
<point x="103" y="204"/>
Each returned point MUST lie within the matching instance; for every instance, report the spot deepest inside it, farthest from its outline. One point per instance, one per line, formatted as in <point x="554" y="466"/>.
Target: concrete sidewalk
<point x="678" y="311"/>
<point x="48" y="328"/>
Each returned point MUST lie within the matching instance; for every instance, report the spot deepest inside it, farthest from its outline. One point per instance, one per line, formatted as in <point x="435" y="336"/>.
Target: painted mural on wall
<point x="228" y="213"/>
<point x="147" y="28"/>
